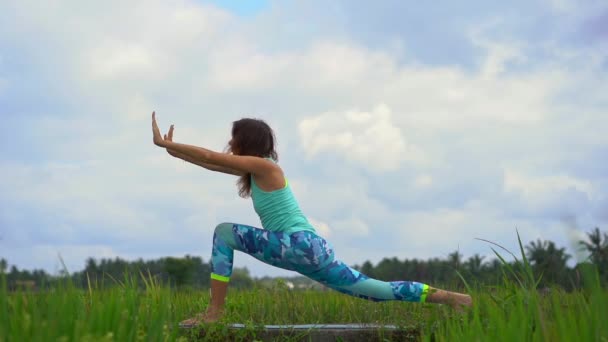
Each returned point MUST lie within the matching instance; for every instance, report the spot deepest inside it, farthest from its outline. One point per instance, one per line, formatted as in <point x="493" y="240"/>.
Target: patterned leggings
<point x="307" y="254"/>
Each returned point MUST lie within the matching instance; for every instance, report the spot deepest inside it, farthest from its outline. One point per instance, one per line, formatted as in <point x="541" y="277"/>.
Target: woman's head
<point x="251" y="137"/>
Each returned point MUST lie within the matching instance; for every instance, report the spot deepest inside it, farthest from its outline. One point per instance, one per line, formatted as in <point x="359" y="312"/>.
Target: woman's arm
<point x="242" y="164"/>
<point x="205" y="165"/>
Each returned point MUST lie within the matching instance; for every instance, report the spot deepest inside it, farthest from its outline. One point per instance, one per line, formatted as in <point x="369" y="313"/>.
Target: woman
<point x="287" y="239"/>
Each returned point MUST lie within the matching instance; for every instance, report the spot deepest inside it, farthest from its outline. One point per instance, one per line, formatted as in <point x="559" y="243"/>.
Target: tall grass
<point x="119" y="310"/>
<point x="517" y="311"/>
<point x="65" y="313"/>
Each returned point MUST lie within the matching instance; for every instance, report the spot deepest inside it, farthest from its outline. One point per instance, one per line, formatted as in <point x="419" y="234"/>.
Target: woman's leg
<point x="266" y="246"/>
<point x="338" y="276"/>
<point x="313" y="256"/>
<point x="308" y="254"/>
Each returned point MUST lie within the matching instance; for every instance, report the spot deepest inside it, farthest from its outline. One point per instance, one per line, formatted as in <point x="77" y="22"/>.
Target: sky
<point x="406" y="130"/>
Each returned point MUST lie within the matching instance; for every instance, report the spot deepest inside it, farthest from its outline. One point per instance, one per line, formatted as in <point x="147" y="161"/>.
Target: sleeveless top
<point x="278" y="210"/>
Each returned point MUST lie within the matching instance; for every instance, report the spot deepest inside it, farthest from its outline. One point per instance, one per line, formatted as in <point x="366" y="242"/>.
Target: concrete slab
<point x="320" y="332"/>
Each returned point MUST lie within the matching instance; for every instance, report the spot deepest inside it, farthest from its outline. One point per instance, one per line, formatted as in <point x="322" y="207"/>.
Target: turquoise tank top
<point x="278" y="210"/>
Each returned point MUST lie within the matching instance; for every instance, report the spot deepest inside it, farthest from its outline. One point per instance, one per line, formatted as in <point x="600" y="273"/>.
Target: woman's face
<point x="233" y="149"/>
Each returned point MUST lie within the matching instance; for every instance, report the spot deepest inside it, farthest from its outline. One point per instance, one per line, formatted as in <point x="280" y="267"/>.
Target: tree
<point x="597" y="247"/>
<point x="455" y="259"/>
<point x="367" y="268"/>
<point x="240" y="278"/>
<point x="598" y="250"/>
<point x="474" y="265"/>
<point x="180" y="270"/>
<point x="3" y="265"/>
<point x="548" y="260"/>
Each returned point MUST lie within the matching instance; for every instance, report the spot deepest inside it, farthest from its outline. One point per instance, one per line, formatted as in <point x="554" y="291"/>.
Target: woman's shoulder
<point x="272" y="180"/>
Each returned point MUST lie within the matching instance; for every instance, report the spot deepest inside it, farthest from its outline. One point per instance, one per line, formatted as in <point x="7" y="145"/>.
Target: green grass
<point x="126" y="313"/>
<point x="512" y="311"/>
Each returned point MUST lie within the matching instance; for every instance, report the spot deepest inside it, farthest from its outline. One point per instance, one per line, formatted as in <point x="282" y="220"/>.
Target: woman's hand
<point x="156" y="136"/>
<point x="169" y="137"/>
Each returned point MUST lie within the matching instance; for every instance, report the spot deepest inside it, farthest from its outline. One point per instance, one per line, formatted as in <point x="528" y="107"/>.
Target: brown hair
<point x="252" y="137"/>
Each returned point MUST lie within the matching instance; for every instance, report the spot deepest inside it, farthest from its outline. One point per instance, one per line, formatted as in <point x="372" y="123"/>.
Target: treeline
<point x="189" y="271"/>
<point x="549" y="263"/>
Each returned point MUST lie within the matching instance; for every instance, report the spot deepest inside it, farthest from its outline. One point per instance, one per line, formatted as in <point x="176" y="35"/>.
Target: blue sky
<point x="406" y="130"/>
<point x="242" y="8"/>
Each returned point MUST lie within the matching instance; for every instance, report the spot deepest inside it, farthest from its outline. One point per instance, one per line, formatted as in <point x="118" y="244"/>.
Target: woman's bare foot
<point x="460" y="301"/>
<point x="210" y="316"/>
<point x="456" y="300"/>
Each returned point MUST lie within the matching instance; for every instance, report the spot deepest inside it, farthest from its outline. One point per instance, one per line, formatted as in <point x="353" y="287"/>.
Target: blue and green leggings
<point x="307" y="254"/>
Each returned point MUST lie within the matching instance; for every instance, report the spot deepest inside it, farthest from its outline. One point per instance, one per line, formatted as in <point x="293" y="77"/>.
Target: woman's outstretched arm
<point x="207" y="166"/>
<point x="217" y="168"/>
<point x="242" y="164"/>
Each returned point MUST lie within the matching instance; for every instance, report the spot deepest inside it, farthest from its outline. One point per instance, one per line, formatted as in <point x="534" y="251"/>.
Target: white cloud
<point x="238" y="65"/>
<point x="338" y="64"/>
<point x="498" y="54"/>
<point x="557" y="197"/>
<point x="530" y="187"/>
<point x="115" y="60"/>
<point x="368" y="138"/>
<point x="423" y="181"/>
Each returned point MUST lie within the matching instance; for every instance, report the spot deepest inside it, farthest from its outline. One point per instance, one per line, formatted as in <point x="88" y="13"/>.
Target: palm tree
<point x="597" y="247"/>
<point x="598" y="250"/>
<point x="548" y="260"/>
<point x="3" y="265"/>
<point x="475" y="264"/>
<point x="455" y="259"/>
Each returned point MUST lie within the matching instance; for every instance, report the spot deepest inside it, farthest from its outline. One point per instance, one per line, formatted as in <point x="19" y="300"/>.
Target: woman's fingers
<point x="156" y="132"/>
<point x="154" y="124"/>
<point x="156" y="136"/>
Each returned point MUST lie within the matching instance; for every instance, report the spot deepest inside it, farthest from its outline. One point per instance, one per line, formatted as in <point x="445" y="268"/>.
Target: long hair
<point x="252" y="137"/>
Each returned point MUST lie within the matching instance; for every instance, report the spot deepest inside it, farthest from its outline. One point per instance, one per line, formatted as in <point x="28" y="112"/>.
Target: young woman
<point x="287" y="240"/>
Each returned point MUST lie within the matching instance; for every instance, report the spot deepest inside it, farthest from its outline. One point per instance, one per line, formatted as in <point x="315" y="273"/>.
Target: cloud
<point x="423" y="181"/>
<point x="119" y="60"/>
<point x="368" y="138"/>
<point x="529" y="186"/>
<point x="417" y="146"/>
<point x="553" y="196"/>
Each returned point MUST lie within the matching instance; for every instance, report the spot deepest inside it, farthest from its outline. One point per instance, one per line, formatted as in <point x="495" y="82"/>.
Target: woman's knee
<point x="223" y="228"/>
<point x="224" y="231"/>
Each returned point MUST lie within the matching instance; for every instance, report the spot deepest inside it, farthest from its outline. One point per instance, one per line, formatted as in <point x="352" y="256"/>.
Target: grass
<point x="512" y="311"/>
<point x="126" y="313"/>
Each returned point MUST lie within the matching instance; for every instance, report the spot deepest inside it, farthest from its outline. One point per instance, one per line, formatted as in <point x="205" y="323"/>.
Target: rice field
<point x="127" y="312"/>
<point x="124" y="311"/>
